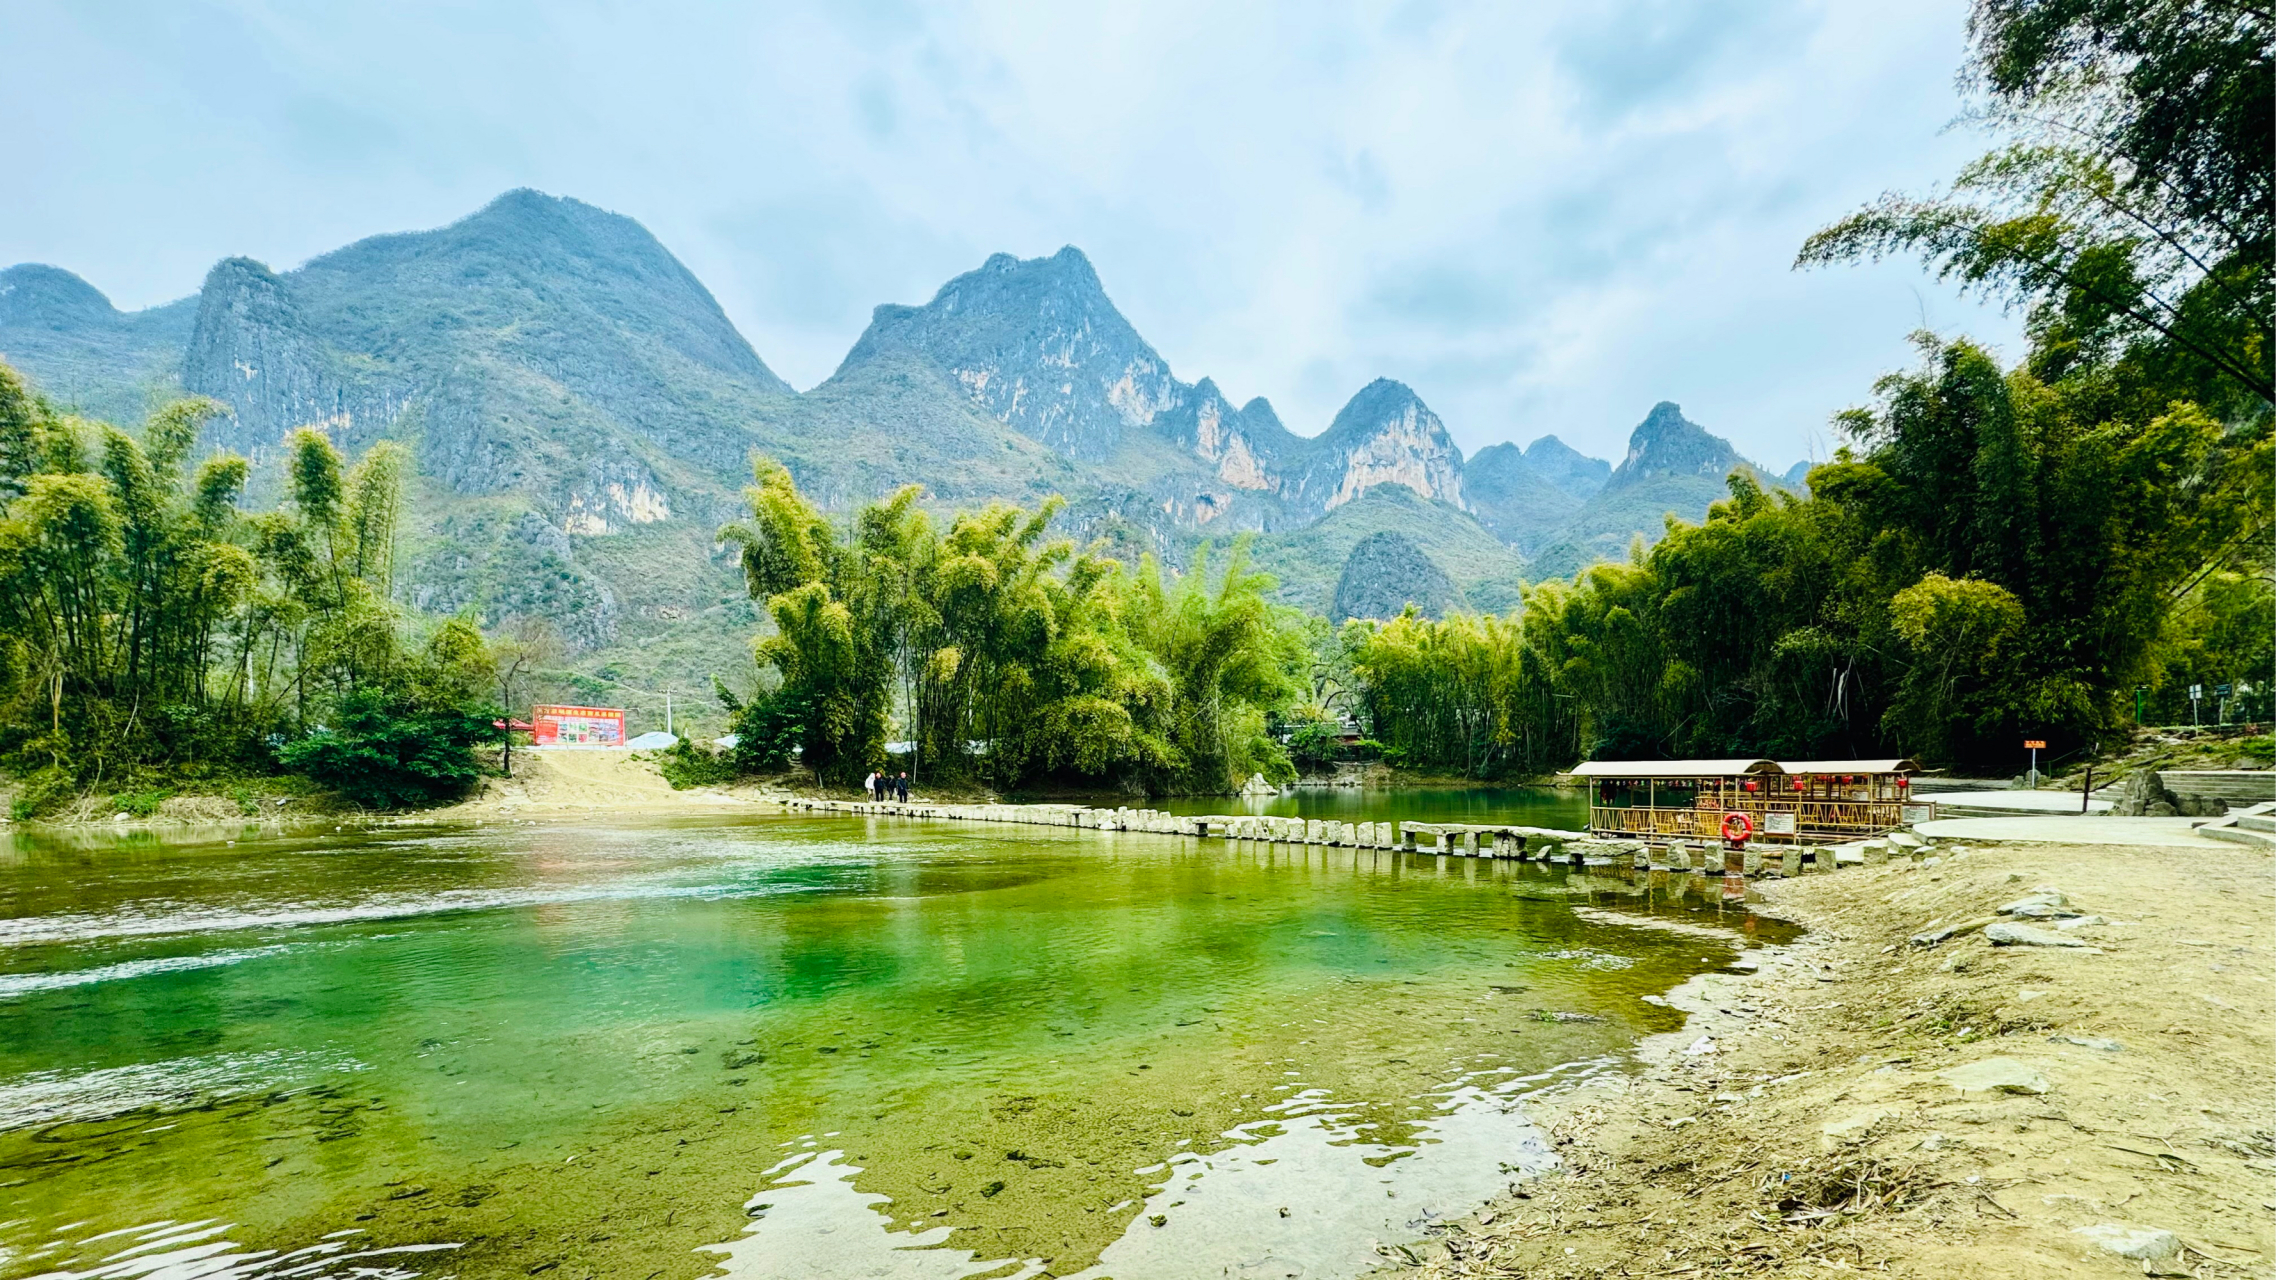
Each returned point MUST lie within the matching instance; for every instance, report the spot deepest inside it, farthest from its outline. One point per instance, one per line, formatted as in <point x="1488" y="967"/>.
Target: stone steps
<point x="2255" y="826"/>
<point x="2237" y="786"/>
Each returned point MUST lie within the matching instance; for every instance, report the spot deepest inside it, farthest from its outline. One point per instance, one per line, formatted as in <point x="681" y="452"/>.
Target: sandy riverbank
<point x="558" y="782"/>
<point x="1820" y="1115"/>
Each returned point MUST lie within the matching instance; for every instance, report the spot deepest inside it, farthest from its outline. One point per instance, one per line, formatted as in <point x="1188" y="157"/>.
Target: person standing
<point x="869" y="784"/>
<point x="901" y="787"/>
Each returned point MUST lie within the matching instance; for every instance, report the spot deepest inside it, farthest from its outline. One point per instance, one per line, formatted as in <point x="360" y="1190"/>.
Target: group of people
<point x="884" y="786"/>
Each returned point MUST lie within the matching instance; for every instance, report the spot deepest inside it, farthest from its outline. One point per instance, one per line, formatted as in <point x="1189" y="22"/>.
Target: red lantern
<point x="1904" y="781"/>
<point x="1798" y="784"/>
<point x="1750" y="784"/>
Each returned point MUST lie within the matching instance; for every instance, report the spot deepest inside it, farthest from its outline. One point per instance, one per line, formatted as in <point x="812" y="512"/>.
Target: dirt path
<point x="1863" y="1104"/>
<point x="592" y="781"/>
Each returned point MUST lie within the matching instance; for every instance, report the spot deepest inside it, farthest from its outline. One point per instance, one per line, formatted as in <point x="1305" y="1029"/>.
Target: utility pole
<point x="667" y="711"/>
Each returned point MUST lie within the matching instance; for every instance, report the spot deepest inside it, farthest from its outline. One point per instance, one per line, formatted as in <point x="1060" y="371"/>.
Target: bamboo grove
<point x="1005" y="655"/>
<point x="153" y="624"/>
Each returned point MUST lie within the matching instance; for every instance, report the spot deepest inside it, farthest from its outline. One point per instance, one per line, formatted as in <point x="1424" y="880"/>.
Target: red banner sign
<point x="576" y="726"/>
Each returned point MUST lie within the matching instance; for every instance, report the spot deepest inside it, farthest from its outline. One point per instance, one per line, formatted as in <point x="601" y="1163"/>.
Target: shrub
<point x="685" y="765"/>
<point x="140" y="804"/>
<point x="1315" y="746"/>
<point x="44" y="792"/>
<point x="770" y="732"/>
<point x="386" y="754"/>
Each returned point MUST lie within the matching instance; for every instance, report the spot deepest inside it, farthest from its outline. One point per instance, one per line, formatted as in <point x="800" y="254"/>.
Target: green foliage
<point x="43" y="792"/>
<point x="148" y="624"/>
<point x="141" y="804"/>
<point x="1471" y="694"/>
<point x="1317" y="747"/>
<point x="685" y="765"/>
<point x="1999" y="552"/>
<point x="387" y="752"/>
<point x="1003" y="654"/>
<point x="2130" y="214"/>
<point x="1995" y="561"/>
<point x="2219" y="634"/>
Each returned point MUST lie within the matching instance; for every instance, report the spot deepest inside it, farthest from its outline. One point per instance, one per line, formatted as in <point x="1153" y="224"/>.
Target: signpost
<point x="2196" y="696"/>
<point x="2221" y="708"/>
<point x="2035" y="746"/>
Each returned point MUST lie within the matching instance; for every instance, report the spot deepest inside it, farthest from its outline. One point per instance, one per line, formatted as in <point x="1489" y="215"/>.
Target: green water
<point x="582" y="1049"/>
<point x="1523" y="806"/>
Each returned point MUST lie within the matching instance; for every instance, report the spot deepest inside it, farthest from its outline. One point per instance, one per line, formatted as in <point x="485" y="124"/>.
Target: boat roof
<point x="1850" y="766"/>
<point x="1673" y="768"/>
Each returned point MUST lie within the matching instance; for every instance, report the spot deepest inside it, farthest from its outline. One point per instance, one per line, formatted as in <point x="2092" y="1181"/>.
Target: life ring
<point x="1737" y="827"/>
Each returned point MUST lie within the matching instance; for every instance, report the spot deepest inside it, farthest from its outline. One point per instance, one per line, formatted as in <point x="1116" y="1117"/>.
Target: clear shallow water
<point x="780" y="1046"/>
<point x="1525" y="806"/>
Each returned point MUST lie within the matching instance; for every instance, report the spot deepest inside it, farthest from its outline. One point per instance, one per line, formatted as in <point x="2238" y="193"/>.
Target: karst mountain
<point x="583" y="414"/>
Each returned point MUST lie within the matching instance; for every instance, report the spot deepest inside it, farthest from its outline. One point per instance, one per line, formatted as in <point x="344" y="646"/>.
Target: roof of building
<point x="1672" y="768"/>
<point x="1850" y="766"/>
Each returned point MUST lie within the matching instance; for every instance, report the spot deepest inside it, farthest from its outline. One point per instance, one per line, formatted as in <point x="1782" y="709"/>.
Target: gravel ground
<point x="1864" y="1103"/>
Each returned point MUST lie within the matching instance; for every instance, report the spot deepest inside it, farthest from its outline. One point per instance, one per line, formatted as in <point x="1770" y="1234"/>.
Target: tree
<point x="530" y="646"/>
<point x="2131" y="214"/>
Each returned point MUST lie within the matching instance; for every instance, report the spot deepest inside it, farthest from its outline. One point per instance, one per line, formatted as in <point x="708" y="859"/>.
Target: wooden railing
<point x="1814" y="820"/>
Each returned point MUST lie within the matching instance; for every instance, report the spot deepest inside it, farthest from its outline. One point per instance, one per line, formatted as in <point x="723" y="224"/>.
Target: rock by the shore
<point x="2143" y="1244"/>
<point x="2145" y="795"/>
<point x="1995" y="1075"/>
<point x="2043" y="903"/>
<point x="2004" y="934"/>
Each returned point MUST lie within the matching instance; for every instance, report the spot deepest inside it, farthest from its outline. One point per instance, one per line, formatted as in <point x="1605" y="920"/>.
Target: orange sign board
<point x="576" y="726"/>
<point x="2034" y="744"/>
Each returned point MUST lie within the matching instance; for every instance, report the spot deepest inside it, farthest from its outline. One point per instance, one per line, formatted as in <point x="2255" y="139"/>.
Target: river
<point x="790" y="1046"/>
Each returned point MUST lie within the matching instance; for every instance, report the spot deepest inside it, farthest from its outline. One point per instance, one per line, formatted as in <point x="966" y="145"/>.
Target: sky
<point x="1543" y="217"/>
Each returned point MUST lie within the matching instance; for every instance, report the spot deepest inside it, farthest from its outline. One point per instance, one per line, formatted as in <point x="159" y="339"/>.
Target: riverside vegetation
<point x="2051" y="547"/>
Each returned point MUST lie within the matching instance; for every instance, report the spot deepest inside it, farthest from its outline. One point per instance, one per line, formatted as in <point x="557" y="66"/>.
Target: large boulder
<point x="2143" y="795"/>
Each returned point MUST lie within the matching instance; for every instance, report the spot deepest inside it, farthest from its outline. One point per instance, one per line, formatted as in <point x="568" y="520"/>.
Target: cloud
<point x="1543" y="220"/>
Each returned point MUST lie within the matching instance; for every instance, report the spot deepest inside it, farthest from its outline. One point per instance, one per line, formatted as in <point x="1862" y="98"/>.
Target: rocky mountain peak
<point x="1668" y="444"/>
<point x="1383" y="435"/>
<point x="34" y="294"/>
<point x="580" y="266"/>
<point x="1566" y="467"/>
<point x="1036" y="343"/>
<point x="253" y="350"/>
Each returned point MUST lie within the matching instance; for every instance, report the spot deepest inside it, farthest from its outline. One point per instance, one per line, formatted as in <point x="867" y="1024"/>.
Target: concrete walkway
<point x="2157" y="833"/>
<point x="2015" y="801"/>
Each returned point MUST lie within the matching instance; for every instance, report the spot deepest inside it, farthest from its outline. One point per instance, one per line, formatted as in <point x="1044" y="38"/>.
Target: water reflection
<point x="986" y="1034"/>
<point x="1523" y="806"/>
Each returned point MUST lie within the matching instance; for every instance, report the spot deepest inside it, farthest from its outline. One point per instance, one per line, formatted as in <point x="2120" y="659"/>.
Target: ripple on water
<point x="62" y="928"/>
<point x="47" y="1097"/>
<point x="20" y="984"/>
<point x="168" y="1250"/>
